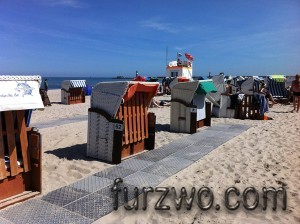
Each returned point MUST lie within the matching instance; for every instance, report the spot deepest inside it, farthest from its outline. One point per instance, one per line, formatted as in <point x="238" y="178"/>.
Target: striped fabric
<point x="21" y="78"/>
<point x="77" y="83"/>
<point x="70" y="84"/>
<point x="277" y="89"/>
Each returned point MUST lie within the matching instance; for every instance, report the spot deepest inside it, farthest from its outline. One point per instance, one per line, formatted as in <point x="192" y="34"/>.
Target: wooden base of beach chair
<point x="247" y="110"/>
<point x="73" y="96"/>
<point x="20" y="159"/>
<point x="139" y="146"/>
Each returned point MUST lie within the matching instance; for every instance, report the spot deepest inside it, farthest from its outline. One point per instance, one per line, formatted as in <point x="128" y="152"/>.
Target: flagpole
<point x="167" y="56"/>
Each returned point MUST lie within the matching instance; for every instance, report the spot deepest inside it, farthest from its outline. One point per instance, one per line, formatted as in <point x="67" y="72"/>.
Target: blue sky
<point x="109" y="38"/>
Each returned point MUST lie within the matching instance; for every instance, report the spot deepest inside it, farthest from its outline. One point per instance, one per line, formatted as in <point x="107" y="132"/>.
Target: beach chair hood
<point x="218" y="81"/>
<point x="20" y="93"/>
<point x="108" y="96"/>
<point x="70" y="84"/>
<point x="185" y="91"/>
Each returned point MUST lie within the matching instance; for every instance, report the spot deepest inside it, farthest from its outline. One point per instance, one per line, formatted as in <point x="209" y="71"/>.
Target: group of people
<point x="295" y="91"/>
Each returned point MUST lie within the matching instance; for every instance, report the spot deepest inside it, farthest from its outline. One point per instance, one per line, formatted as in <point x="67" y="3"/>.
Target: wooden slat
<point x="2" y="160"/>
<point x="129" y="112"/>
<point x="134" y="117"/>
<point x="138" y="117"/>
<point x="145" y="116"/>
<point x="142" y="115"/>
<point x="12" y="149"/>
<point x="126" y="123"/>
<point x="23" y="140"/>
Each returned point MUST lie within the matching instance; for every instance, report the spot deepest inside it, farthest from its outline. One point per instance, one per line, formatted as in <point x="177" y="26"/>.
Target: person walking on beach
<point x="46" y="85"/>
<point x="295" y="89"/>
<point x="268" y="95"/>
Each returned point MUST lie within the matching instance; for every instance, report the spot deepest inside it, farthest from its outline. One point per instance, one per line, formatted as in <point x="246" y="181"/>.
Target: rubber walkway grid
<point x="91" y="198"/>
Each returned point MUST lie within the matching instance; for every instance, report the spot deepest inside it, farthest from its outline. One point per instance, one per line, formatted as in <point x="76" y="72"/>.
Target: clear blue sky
<point x="110" y="38"/>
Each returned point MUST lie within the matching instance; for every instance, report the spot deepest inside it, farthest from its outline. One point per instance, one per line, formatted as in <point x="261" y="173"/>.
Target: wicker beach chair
<point x="119" y="124"/>
<point x="276" y="87"/>
<point x="189" y="110"/>
<point x="72" y="91"/>
<point x="252" y="105"/>
<point x="220" y="100"/>
<point x="20" y="145"/>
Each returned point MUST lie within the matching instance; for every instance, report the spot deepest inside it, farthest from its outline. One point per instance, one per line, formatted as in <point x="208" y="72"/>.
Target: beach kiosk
<point x="189" y="110"/>
<point x="20" y="145"/>
<point x="180" y="68"/>
<point x="119" y="124"/>
<point x="72" y="91"/>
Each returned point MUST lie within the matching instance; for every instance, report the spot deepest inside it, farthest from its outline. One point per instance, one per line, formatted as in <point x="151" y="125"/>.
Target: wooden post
<point x="150" y="141"/>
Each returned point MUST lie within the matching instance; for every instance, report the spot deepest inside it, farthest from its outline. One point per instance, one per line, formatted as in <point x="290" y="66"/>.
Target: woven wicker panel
<point x="199" y="101"/>
<point x="175" y="107"/>
<point x="100" y="137"/>
<point x="179" y="110"/>
<point x="21" y="78"/>
<point x="218" y="81"/>
<point x="108" y="96"/>
<point x="184" y="91"/>
<point x="224" y="104"/>
<point x="247" y="86"/>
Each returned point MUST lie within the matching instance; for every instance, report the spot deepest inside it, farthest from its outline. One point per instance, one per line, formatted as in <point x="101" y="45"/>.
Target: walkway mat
<point x="92" y="198"/>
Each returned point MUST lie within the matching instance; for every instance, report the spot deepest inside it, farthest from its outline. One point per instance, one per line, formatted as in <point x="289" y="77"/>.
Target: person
<point x="268" y="95"/>
<point x="295" y="89"/>
<point x="179" y="63"/>
<point x="155" y="103"/>
<point x="46" y="85"/>
<point x="228" y="87"/>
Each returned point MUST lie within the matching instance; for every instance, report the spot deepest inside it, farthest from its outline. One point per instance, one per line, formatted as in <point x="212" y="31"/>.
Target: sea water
<point x="55" y="82"/>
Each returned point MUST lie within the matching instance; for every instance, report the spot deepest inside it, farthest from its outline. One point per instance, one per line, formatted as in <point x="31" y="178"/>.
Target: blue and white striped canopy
<point x="70" y="84"/>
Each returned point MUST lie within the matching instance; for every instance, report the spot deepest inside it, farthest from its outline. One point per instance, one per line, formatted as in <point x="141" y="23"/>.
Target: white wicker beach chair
<point x="188" y="106"/>
<point x="72" y="91"/>
<point x="118" y="122"/>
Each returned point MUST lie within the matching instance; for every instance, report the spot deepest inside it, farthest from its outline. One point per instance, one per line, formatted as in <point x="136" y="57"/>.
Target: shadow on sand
<point x="75" y="152"/>
<point x="162" y="127"/>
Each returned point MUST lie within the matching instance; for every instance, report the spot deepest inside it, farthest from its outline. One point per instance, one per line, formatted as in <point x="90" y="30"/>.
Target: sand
<point x="266" y="155"/>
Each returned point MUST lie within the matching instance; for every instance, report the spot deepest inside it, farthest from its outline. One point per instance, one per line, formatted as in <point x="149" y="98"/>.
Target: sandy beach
<point x="266" y="155"/>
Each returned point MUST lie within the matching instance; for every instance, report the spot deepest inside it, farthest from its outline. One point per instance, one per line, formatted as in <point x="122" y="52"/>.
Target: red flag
<point x="189" y="57"/>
